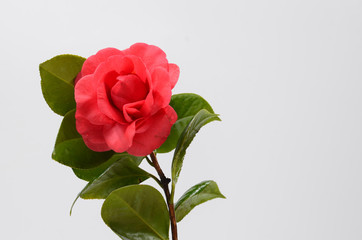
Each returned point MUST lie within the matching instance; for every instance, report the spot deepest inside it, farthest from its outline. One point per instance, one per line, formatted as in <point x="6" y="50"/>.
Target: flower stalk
<point x="164" y="182"/>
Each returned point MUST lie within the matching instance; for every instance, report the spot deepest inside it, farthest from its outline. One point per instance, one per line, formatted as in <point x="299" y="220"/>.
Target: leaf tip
<point x="71" y="208"/>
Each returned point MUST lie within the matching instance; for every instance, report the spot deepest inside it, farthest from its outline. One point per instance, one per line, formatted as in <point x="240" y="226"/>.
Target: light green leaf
<point x="71" y="150"/>
<point x="137" y="212"/>
<point x="57" y="81"/>
<point x="93" y="173"/>
<point x="196" y="195"/>
<point x="200" y="119"/>
<point x="121" y="173"/>
<point x="186" y="106"/>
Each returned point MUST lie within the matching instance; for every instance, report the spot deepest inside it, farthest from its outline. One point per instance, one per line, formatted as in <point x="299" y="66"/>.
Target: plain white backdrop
<point x="284" y="75"/>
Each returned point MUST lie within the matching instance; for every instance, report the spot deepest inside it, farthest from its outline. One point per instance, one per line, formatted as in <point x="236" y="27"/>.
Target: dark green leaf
<point x="121" y="173"/>
<point x="137" y="212"/>
<point x="200" y="119"/>
<point x="186" y="106"/>
<point x="71" y="150"/>
<point x="196" y="195"/>
<point x="57" y="81"/>
<point x="93" y="173"/>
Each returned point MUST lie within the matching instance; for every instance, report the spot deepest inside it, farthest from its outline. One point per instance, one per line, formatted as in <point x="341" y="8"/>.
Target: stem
<point x="149" y="161"/>
<point x="172" y="190"/>
<point x="171" y="208"/>
<point x="156" y="179"/>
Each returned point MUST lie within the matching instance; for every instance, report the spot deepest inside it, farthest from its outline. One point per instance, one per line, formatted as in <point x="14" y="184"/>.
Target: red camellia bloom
<point x="123" y="99"/>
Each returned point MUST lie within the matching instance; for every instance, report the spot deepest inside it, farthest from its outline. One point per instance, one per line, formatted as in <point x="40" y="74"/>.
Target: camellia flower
<point x="123" y="99"/>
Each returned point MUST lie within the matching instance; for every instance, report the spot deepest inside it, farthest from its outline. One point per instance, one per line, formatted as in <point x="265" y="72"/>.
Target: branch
<point x="164" y="182"/>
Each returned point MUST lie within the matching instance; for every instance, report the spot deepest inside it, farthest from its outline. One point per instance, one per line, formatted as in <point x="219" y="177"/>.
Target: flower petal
<point x="131" y="111"/>
<point x="91" y="64"/>
<point x="158" y="128"/>
<point x="151" y="55"/>
<point x="85" y="94"/>
<point x="92" y="134"/>
<point x="129" y="88"/>
<point x="139" y="68"/>
<point x="148" y="105"/>
<point x="106" y="75"/>
<point x="119" y="137"/>
<point x="161" y="88"/>
<point x="174" y="72"/>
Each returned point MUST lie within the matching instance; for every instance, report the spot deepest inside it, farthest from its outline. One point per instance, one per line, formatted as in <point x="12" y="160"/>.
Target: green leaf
<point x="57" y="81"/>
<point x="196" y="195"/>
<point x="137" y="212"/>
<point x="71" y="150"/>
<point x="93" y="173"/>
<point x="121" y="173"/>
<point x="186" y="106"/>
<point x="200" y="119"/>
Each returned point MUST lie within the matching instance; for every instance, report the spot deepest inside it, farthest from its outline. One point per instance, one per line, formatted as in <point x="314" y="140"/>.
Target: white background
<point x="284" y="75"/>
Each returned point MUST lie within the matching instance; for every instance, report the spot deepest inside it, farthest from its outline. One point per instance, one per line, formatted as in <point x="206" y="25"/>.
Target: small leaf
<point x="121" y="173"/>
<point x="200" y="119"/>
<point x="186" y="106"/>
<point x="57" y="81"/>
<point x="71" y="150"/>
<point x="137" y="212"/>
<point x="196" y="195"/>
<point x="92" y="173"/>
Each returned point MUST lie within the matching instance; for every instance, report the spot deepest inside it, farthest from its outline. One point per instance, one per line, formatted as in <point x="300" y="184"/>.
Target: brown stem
<point x="165" y="181"/>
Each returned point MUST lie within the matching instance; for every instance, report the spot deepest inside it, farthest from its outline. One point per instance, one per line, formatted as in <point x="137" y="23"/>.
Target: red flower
<point x="123" y="99"/>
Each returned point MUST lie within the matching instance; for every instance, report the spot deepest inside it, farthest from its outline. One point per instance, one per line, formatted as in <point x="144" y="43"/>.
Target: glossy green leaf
<point x="137" y="212"/>
<point x="200" y="119"/>
<point x="121" y="173"/>
<point x="186" y="106"/>
<point x="71" y="150"/>
<point x="57" y="81"/>
<point x="196" y="195"/>
<point x="92" y="173"/>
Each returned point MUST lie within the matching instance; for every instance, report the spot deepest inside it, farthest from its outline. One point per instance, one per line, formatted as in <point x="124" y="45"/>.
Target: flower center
<point x="127" y="95"/>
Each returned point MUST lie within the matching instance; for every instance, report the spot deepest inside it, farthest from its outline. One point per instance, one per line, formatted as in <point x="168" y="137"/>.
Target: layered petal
<point x="129" y="88"/>
<point x="174" y="72"/>
<point x="86" y="98"/>
<point x="119" y="137"/>
<point x="91" y="64"/>
<point x="139" y="68"/>
<point x="131" y="111"/>
<point x="157" y="127"/>
<point x="92" y="134"/>
<point x="106" y="75"/>
<point x="148" y="105"/>
<point x="123" y="99"/>
<point x="161" y="88"/>
<point x="151" y="55"/>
